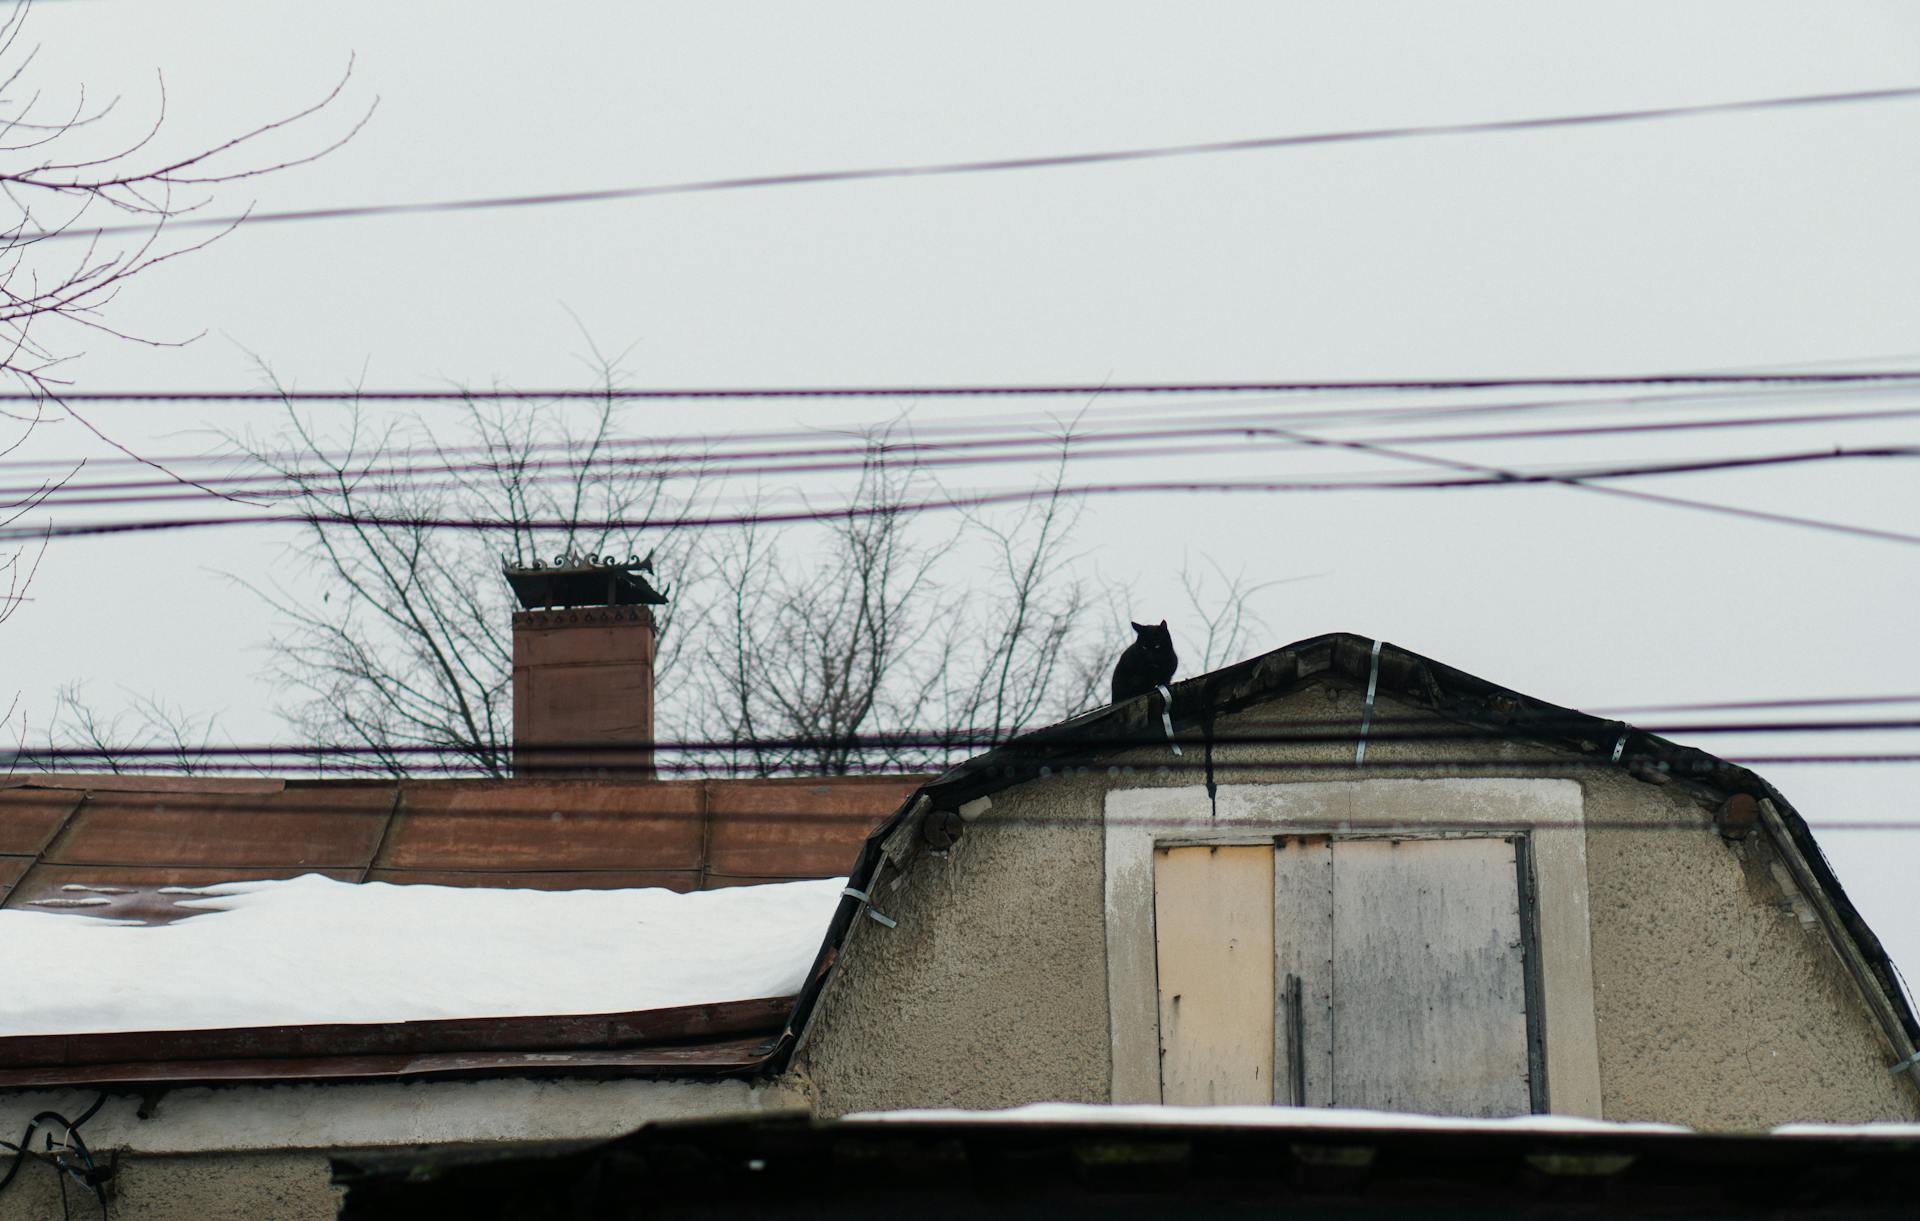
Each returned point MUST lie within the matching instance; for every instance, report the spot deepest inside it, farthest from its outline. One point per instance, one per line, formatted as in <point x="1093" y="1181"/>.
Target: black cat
<point x="1148" y="662"/>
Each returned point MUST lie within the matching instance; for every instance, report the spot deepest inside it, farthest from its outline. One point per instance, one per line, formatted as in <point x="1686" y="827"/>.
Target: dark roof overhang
<point x="724" y="1039"/>
<point x="964" y="1166"/>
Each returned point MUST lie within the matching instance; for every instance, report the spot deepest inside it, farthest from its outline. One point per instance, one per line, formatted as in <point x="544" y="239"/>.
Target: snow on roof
<point x="1904" y="1131"/>
<point x="312" y="950"/>
<point x="1254" y="1117"/>
<point x="1150" y="1115"/>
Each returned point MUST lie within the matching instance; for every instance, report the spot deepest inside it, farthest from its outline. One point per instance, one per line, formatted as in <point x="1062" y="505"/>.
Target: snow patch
<point x="1901" y="1131"/>
<point x="1254" y="1117"/>
<point x="310" y="949"/>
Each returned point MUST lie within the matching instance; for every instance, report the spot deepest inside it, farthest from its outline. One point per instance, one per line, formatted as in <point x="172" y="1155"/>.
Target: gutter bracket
<point x="1907" y="1065"/>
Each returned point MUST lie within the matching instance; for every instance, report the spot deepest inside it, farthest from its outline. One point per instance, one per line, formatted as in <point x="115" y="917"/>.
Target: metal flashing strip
<point x="1166" y="715"/>
<point x="866" y="901"/>
<point x="1366" y="713"/>
<point x="1880" y="1002"/>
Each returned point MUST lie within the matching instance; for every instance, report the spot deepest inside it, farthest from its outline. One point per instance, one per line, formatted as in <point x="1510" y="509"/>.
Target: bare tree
<point x="817" y="642"/>
<point x="1224" y="622"/>
<point x="885" y="640"/>
<point x="407" y="656"/>
<point x="63" y="171"/>
<point x="149" y="734"/>
<point x="873" y="637"/>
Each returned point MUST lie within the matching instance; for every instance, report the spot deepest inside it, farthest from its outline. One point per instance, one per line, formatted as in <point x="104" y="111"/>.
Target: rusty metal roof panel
<point x="551" y="879"/>
<point x="782" y="829"/>
<point x="12" y="869"/>
<point x="545" y="825"/>
<point x="309" y="827"/>
<point x="31" y="817"/>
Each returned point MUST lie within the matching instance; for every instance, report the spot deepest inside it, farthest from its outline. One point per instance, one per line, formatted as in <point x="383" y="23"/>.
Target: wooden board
<point x="1213" y="934"/>
<point x="1303" y="949"/>
<point x="1429" y="978"/>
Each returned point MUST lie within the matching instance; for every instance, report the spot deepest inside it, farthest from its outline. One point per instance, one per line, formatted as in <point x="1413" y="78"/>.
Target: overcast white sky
<point x="1755" y="240"/>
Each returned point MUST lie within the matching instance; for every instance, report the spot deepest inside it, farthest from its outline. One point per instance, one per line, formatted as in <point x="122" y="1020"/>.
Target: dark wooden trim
<point x="580" y="1033"/>
<point x="733" y="1058"/>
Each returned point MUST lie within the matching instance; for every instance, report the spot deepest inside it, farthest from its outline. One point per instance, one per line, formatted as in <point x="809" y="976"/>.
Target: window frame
<point x="1548" y="813"/>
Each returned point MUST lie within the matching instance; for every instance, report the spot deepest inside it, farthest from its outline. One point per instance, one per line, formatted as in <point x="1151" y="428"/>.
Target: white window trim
<point x="1550" y="812"/>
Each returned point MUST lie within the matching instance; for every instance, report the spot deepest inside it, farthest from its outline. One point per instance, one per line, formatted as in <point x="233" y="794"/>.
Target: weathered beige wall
<point x="1716" y="1006"/>
<point x="201" y="1187"/>
<point x="993" y="989"/>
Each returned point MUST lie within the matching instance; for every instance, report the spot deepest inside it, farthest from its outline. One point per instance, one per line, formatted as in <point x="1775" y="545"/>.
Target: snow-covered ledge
<point x="1550" y="812"/>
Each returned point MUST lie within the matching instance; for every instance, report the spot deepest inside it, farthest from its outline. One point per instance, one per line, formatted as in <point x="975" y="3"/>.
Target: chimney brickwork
<point x="583" y="677"/>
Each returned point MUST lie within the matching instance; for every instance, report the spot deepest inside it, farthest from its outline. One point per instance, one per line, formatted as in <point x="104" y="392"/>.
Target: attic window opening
<point x="1550" y="1034"/>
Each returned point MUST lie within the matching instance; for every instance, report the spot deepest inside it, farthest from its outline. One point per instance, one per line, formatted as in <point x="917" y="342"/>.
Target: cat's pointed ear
<point x="1138" y="627"/>
<point x="1163" y="625"/>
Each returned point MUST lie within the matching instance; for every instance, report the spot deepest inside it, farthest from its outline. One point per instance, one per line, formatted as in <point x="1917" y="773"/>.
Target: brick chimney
<point x="583" y="648"/>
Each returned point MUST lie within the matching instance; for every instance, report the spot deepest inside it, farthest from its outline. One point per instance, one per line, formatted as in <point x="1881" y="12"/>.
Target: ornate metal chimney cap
<point x="584" y="579"/>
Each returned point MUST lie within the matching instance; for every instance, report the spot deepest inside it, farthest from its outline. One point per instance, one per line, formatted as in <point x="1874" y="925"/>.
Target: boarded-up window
<point x="1213" y="932"/>
<point x="1385" y="974"/>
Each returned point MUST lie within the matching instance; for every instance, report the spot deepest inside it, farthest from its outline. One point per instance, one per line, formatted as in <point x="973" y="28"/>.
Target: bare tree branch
<point x="59" y="167"/>
<point x="409" y="647"/>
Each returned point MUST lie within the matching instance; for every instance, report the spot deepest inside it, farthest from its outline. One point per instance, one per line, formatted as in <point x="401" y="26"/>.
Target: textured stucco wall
<point x="1716" y="1005"/>
<point x="204" y="1187"/>
<point x="259" y="1152"/>
<point x="993" y="989"/>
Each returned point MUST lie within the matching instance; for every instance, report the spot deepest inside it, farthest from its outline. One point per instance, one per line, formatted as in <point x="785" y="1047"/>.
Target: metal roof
<point x="124" y="838"/>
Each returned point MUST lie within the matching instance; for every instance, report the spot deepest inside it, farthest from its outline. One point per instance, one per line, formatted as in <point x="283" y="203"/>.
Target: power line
<point x="1297" y="732"/>
<point x="975" y="390"/>
<point x="1817" y="701"/>
<point x="276" y="803"/>
<point x="18" y="533"/>
<point x="1582" y="484"/>
<point x="1239" y="410"/>
<point x="675" y="456"/>
<point x="992" y="166"/>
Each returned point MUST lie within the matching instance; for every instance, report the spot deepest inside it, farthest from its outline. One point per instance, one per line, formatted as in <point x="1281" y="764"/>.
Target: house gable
<point x="1817" y="995"/>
